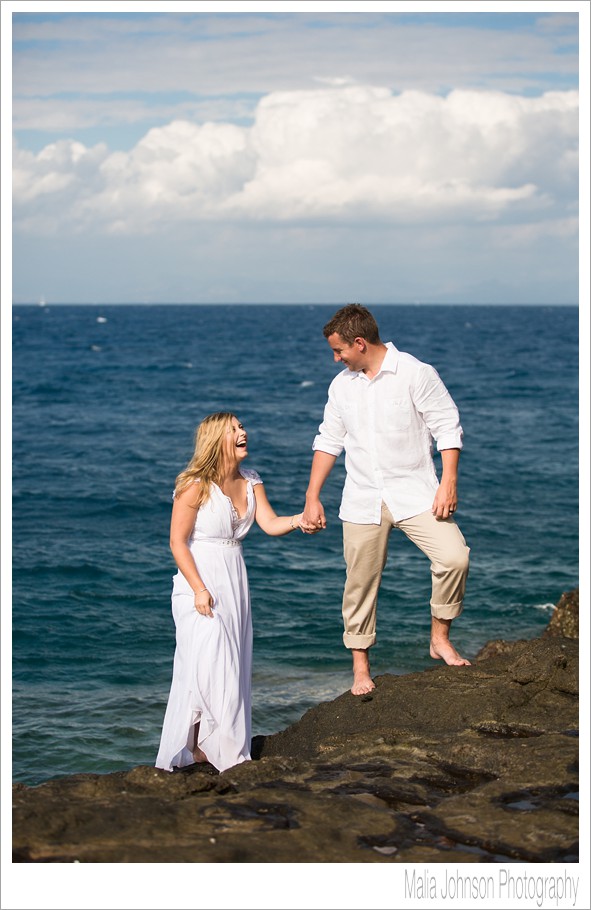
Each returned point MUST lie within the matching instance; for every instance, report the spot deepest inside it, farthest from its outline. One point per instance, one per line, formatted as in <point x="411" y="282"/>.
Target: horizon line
<point x="45" y="303"/>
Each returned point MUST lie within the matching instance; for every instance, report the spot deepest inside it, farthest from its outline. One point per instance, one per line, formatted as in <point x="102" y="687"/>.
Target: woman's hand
<point x="271" y="523"/>
<point x="204" y="602"/>
<point x="296" y="521"/>
<point x="313" y="517"/>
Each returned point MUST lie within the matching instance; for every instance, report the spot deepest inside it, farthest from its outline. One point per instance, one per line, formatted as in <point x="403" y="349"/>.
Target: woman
<point x="216" y="500"/>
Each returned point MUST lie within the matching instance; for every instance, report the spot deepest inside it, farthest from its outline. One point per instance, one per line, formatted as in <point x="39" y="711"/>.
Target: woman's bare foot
<point x="199" y="755"/>
<point x="362" y="681"/>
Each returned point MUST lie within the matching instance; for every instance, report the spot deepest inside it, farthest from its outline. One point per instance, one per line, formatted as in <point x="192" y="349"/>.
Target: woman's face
<point x="236" y="442"/>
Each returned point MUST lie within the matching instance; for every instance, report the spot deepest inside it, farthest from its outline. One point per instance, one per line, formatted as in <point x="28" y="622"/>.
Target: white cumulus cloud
<point x="335" y="152"/>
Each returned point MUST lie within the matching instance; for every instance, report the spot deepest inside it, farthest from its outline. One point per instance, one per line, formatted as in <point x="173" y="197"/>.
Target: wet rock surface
<point x="469" y="764"/>
<point x="565" y="618"/>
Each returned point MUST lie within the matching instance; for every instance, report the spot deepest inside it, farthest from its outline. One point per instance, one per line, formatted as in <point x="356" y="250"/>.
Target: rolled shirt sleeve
<point x="331" y="432"/>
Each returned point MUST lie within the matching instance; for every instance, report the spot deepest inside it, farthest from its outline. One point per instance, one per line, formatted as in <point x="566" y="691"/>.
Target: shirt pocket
<point x="350" y="416"/>
<point x="397" y="412"/>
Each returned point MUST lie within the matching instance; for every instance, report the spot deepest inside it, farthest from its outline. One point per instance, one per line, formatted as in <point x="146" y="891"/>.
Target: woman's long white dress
<point x="211" y="680"/>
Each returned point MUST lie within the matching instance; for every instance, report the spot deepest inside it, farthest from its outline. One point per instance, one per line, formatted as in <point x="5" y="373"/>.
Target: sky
<point x="252" y="153"/>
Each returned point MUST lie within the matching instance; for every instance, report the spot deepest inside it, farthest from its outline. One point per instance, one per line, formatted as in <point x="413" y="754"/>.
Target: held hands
<point x="313" y="517"/>
<point x="203" y="602"/>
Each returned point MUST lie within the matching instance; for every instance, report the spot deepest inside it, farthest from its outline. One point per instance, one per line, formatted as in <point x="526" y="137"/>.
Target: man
<point x="385" y="409"/>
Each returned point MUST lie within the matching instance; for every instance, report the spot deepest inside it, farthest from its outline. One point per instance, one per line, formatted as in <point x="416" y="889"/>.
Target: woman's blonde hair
<point x="208" y="463"/>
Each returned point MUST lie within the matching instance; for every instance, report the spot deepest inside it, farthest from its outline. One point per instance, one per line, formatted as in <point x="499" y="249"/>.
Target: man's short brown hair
<point x="351" y="322"/>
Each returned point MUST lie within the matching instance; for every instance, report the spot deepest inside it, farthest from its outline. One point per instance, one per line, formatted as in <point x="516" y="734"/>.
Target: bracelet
<point x="195" y="593"/>
<point x="291" y="524"/>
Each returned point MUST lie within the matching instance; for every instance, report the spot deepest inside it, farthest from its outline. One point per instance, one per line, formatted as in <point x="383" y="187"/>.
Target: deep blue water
<point x="106" y="399"/>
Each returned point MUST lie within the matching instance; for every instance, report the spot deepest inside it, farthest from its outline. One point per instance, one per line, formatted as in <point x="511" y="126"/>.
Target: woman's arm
<point x="271" y="523"/>
<point x="181" y="524"/>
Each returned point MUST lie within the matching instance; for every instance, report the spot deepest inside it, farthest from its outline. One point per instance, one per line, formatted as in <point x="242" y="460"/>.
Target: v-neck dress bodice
<point x="211" y="680"/>
<point x="218" y="518"/>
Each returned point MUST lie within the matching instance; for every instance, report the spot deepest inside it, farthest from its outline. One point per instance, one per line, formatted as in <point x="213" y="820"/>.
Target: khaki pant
<point x="366" y="549"/>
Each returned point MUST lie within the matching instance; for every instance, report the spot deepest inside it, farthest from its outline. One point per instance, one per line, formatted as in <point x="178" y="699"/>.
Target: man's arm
<point x="313" y="518"/>
<point x="438" y="409"/>
<point x="446" y="497"/>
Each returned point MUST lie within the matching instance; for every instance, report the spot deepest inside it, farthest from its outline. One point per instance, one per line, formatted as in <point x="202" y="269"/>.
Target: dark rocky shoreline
<point x="472" y="764"/>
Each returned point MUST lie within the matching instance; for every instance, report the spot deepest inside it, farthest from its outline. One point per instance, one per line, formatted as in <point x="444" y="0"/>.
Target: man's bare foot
<point x="444" y="650"/>
<point x="362" y="684"/>
<point x="199" y="755"/>
<point x="441" y="646"/>
<point x="362" y="681"/>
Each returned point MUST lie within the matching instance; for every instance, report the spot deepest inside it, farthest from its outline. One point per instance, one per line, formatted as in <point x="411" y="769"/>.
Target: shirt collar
<point x="389" y="363"/>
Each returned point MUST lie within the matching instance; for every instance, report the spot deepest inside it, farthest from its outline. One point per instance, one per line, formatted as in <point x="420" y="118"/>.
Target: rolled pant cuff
<point x="360" y="642"/>
<point x="447" y="611"/>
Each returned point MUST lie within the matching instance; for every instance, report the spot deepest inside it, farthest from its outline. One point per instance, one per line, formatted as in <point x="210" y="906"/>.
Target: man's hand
<point x="446" y="497"/>
<point x="446" y="500"/>
<point x="313" y="518"/>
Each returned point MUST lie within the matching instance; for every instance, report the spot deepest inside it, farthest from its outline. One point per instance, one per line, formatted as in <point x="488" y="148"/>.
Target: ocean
<point x="106" y="399"/>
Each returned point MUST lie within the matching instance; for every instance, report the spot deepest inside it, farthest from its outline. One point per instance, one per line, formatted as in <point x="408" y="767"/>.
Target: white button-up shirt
<point x="387" y="425"/>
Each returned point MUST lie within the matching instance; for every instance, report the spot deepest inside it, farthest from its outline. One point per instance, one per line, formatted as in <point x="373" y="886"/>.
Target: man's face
<point x="348" y="354"/>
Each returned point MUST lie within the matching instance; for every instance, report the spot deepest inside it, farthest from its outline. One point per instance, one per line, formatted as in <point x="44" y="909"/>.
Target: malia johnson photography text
<point x="546" y="890"/>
